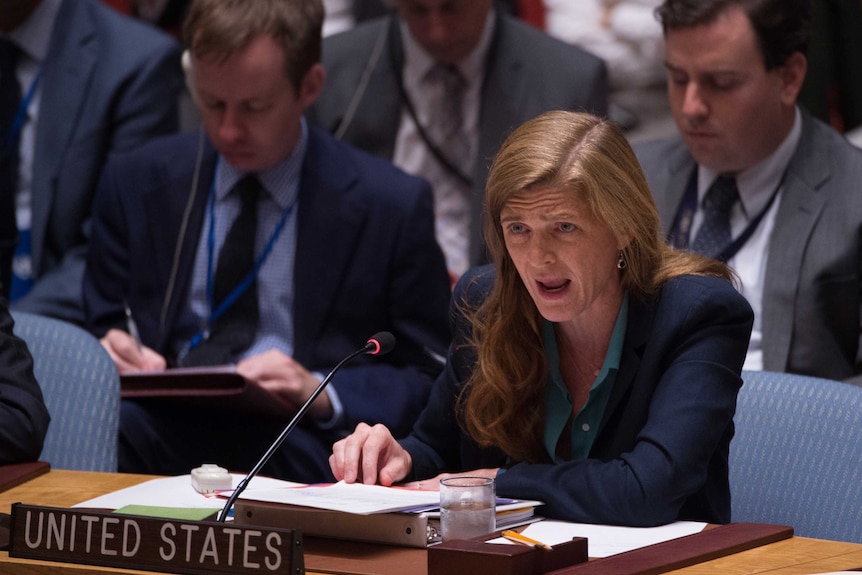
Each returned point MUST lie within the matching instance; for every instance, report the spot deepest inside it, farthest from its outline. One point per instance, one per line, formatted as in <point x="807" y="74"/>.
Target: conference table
<point x="62" y="488"/>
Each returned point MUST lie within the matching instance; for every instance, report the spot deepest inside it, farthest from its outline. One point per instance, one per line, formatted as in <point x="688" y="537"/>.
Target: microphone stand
<point x="372" y="347"/>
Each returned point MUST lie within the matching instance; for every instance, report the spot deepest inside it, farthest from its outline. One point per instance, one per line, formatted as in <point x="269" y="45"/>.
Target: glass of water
<point x="467" y="507"/>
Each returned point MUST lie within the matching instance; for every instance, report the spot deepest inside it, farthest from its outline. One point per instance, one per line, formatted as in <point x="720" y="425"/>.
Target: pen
<point x="132" y="326"/>
<point x="524" y="540"/>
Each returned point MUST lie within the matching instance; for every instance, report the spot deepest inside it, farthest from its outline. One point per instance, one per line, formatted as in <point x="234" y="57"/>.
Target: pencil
<point x="524" y="540"/>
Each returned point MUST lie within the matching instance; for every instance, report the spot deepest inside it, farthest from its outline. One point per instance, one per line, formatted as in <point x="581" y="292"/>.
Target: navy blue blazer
<point x="366" y="260"/>
<point x="662" y="448"/>
<point x="108" y="84"/>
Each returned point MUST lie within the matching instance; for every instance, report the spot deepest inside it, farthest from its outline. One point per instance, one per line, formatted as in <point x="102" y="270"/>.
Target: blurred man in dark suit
<point x="437" y="86"/>
<point x="77" y="81"/>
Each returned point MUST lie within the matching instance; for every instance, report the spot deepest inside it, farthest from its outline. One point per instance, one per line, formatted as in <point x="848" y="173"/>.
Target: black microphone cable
<point x="380" y="343"/>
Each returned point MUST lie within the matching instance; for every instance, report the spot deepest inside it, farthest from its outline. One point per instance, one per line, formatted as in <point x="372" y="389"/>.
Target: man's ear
<point x="792" y="76"/>
<point x="312" y="85"/>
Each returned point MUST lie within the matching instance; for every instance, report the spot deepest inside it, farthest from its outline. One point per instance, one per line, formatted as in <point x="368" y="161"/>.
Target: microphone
<point x="380" y="343"/>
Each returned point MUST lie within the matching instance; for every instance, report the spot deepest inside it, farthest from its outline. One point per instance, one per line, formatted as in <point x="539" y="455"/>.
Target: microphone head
<point x="380" y="343"/>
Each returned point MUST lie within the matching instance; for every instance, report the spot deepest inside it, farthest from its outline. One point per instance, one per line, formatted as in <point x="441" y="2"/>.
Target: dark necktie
<point x="10" y="99"/>
<point x="234" y="331"/>
<point x="714" y="233"/>
<point x="450" y="122"/>
<point x="451" y="196"/>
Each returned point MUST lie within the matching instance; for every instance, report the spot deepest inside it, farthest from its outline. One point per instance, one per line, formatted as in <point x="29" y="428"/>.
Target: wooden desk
<point x="796" y="556"/>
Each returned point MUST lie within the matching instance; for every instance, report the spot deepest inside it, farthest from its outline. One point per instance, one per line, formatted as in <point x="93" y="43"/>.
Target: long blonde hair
<point x="502" y="404"/>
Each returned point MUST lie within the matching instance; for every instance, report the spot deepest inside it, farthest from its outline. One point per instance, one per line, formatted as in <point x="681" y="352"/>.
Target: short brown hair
<point x="222" y="28"/>
<point x="782" y="27"/>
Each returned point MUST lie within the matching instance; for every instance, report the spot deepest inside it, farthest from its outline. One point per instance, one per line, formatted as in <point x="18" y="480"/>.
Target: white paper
<point x="348" y="497"/>
<point x="172" y="492"/>
<point x="606" y="540"/>
<point x="351" y="498"/>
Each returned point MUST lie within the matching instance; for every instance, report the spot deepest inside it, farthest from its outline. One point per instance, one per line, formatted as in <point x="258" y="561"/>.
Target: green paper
<point x="179" y="513"/>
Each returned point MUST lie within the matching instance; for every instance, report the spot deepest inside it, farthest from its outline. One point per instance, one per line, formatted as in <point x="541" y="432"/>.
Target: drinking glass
<point x="467" y="507"/>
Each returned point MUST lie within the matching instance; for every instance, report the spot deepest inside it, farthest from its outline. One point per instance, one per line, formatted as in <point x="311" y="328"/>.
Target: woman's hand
<point x="433" y="483"/>
<point x="370" y="455"/>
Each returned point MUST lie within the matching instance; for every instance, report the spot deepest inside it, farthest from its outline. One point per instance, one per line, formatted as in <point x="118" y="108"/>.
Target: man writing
<point x="343" y="247"/>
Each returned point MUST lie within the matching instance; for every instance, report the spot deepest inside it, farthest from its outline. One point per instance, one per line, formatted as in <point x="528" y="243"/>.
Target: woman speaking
<point x="592" y="366"/>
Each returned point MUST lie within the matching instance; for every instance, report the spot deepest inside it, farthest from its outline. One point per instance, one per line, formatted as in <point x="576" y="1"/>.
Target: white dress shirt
<point x="412" y="155"/>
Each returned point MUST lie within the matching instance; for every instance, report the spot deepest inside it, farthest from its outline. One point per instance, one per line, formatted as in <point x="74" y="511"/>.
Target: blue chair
<point x="797" y="456"/>
<point x="82" y="391"/>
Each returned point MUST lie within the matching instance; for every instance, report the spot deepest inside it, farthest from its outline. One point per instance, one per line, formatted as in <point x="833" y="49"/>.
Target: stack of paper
<point x="394" y="515"/>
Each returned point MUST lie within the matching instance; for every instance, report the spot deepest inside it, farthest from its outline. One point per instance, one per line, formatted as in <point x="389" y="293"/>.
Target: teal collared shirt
<point x="558" y="403"/>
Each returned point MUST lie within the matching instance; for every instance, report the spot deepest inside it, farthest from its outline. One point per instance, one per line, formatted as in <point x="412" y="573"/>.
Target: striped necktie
<point x="714" y="233"/>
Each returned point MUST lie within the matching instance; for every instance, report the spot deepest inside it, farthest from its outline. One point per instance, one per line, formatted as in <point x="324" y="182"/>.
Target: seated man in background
<point x="342" y="15"/>
<point x="755" y="181"/>
<point x="265" y="242"/>
<point x="77" y="81"/>
<point x="23" y="416"/>
<point x="437" y="87"/>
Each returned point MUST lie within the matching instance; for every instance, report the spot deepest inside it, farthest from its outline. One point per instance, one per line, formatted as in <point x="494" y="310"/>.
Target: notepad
<point x="183" y="382"/>
<point x="15" y="474"/>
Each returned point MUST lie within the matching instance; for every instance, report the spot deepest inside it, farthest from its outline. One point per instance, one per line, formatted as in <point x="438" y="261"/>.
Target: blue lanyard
<point x="227" y="302"/>
<point x="680" y="233"/>
<point x="11" y="141"/>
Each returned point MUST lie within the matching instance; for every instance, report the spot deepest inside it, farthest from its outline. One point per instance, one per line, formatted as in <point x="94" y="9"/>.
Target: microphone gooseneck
<point x="380" y="343"/>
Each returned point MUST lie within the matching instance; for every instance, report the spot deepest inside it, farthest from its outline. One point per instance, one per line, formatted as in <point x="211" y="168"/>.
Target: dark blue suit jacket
<point x="662" y="449"/>
<point x="108" y="84"/>
<point x="366" y="261"/>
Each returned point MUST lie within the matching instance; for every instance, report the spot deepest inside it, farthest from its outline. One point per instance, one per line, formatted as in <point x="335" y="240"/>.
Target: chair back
<point x="82" y="392"/>
<point x="796" y="458"/>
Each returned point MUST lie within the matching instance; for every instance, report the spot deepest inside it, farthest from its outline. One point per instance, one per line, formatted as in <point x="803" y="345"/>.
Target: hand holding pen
<point x="127" y="351"/>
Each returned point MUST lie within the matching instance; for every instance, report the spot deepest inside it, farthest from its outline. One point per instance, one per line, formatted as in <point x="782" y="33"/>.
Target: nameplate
<point x="152" y="544"/>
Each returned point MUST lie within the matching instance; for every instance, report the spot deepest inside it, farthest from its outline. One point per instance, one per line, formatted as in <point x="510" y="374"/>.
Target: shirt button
<point x="585" y="427"/>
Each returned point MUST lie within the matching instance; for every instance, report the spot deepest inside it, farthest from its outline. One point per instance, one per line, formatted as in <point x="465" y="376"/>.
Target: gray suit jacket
<point x="527" y="73"/>
<point x="108" y="83"/>
<point x="811" y="293"/>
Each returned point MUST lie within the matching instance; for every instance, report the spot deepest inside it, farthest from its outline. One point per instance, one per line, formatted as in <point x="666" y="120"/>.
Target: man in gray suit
<point x="756" y="181"/>
<point x="90" y="82"/>
<point x="392" y="91"/>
